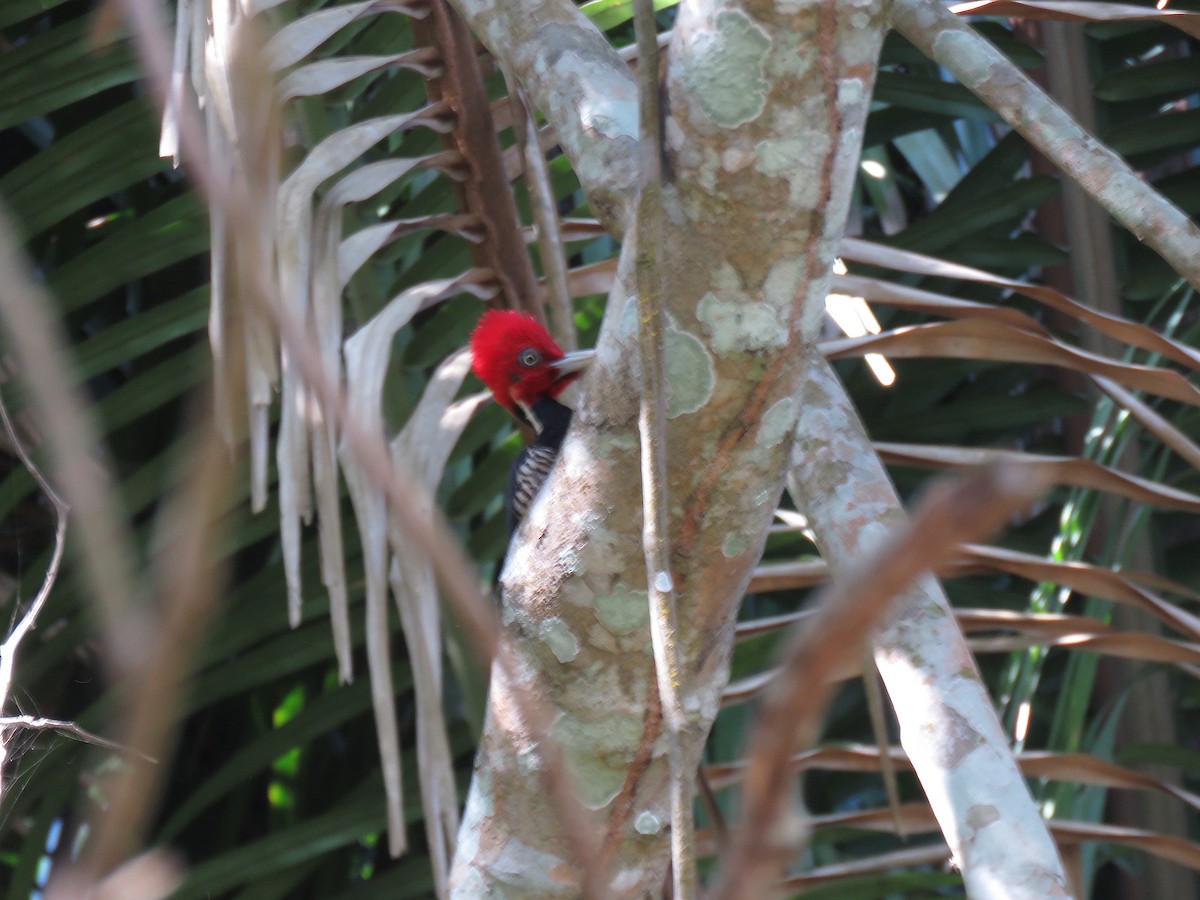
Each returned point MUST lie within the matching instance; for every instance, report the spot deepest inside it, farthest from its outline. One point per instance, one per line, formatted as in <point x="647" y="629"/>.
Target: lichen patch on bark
<point x="778" y="422"/>
<point x="690" y="373"/>
<point x="598" y="750"/>
<point x="736" y="323"/>
<point x="623" y="612"/>
<point x="734" y="545"/>
<point x="559" y="638"/>
<point x="647" y="823"/>
<point x="727" y="69"/>
<point x="530" y="868"/>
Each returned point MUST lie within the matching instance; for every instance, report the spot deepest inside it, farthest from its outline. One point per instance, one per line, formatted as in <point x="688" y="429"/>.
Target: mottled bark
<point x="765" y="111"/>
<point x="948" y="725"/>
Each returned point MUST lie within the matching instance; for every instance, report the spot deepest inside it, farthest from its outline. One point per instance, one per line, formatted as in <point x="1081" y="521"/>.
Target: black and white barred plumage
<point x="550" y="420"/>
<point x="526" y="479"/>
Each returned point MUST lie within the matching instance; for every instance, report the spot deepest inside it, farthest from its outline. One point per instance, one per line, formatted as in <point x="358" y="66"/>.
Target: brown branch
<point x="486" y="191"/>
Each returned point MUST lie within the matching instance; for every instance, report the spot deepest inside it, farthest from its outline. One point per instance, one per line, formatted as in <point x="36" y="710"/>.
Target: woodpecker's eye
<point x="530" y="358"/>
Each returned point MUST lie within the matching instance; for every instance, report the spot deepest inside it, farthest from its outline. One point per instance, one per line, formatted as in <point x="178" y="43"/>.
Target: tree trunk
<point x="764" y="123"/>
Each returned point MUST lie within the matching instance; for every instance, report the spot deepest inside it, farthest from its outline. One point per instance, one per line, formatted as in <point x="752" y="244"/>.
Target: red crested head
<point x="518" y="360"/>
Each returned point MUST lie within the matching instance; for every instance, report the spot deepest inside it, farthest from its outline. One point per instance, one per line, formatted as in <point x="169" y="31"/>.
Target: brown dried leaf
<point x="297" y="39"/>
<point x="917" y="817"/>
<point x="1188" y="22"/>
<point x="1123" y="330"/>
<point x="1034" y="630"/>
<point x="596" y="278"/>
<point x="990" y="340"/>
<point x="1078" y="576"/>
<point x="1070" y="470"/>
<point x="328" y="74"/>
<point x="1152" y="421"/>
<point x="1140" y="647"/>
<point x="1071" y="767"/>
<point x="784" y="576"/>
<point x="925" y="855"/>
<point x="1164" y="846"/>
<point x="1083" y="767"/>
<point x="1122" y="586"/>
<point x="902" y="296"/>
<point x="755" y="627"/>
<point x="582" y="229"/>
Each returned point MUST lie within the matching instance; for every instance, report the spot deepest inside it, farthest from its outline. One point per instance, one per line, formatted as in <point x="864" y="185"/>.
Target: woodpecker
<point x="526" y="370"/>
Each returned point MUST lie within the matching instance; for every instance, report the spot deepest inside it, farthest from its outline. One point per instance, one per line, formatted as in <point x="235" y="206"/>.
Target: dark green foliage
<point x="275" y="789"/>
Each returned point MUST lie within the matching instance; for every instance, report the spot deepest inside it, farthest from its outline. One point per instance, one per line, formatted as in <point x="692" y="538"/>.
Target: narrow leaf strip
<point x="1149" y="419"/>
<point x="297" y="39"/>
<point x="1120" y="329"/>
<point x="1072" y="470"/>
<point x="902" y="296"/>
<point x="1048" y="10"/>
<point x="425" y="444"/>
<point x="989" y="340"/>
<point x="328" y="74"/>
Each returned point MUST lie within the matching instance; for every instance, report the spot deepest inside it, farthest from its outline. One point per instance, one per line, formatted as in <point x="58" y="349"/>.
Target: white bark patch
<point x="601" y="687"/>
<point x="737" y="157"/>
<point x="861" y="17"/>
<point x="606" y="445"/>
<point x="691" y="375"/>
<point x="709" y="697"/>
<point x="850" y="91"/>
<point x="757" y="506"/>
<point x="471" y="884"/>
<point x="725" y="69"/>
<point x="872" y="536"/>
<point x="603" y="110"/>
<point x="734" y="545"/>
<point x="674" y="136"/>
<point x="602" y="640"/>
<point x="778" y="423"/>
<point x="630" y="882"/>
<point x="529" y="760"/>
<point x="600" y="556"/>
<point x="957" y="47"/>
<point x="624" y="612"/>
<point x="647" y="823"/>
<point x="783" y="282"/>
<point x="739" y="325"/>
<point x="478" y="811"/>
<point x="981" y="815"/>
<point x="519" y="863"/>
<point x="797" y="160"/>
<point x="558" y="637"/>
